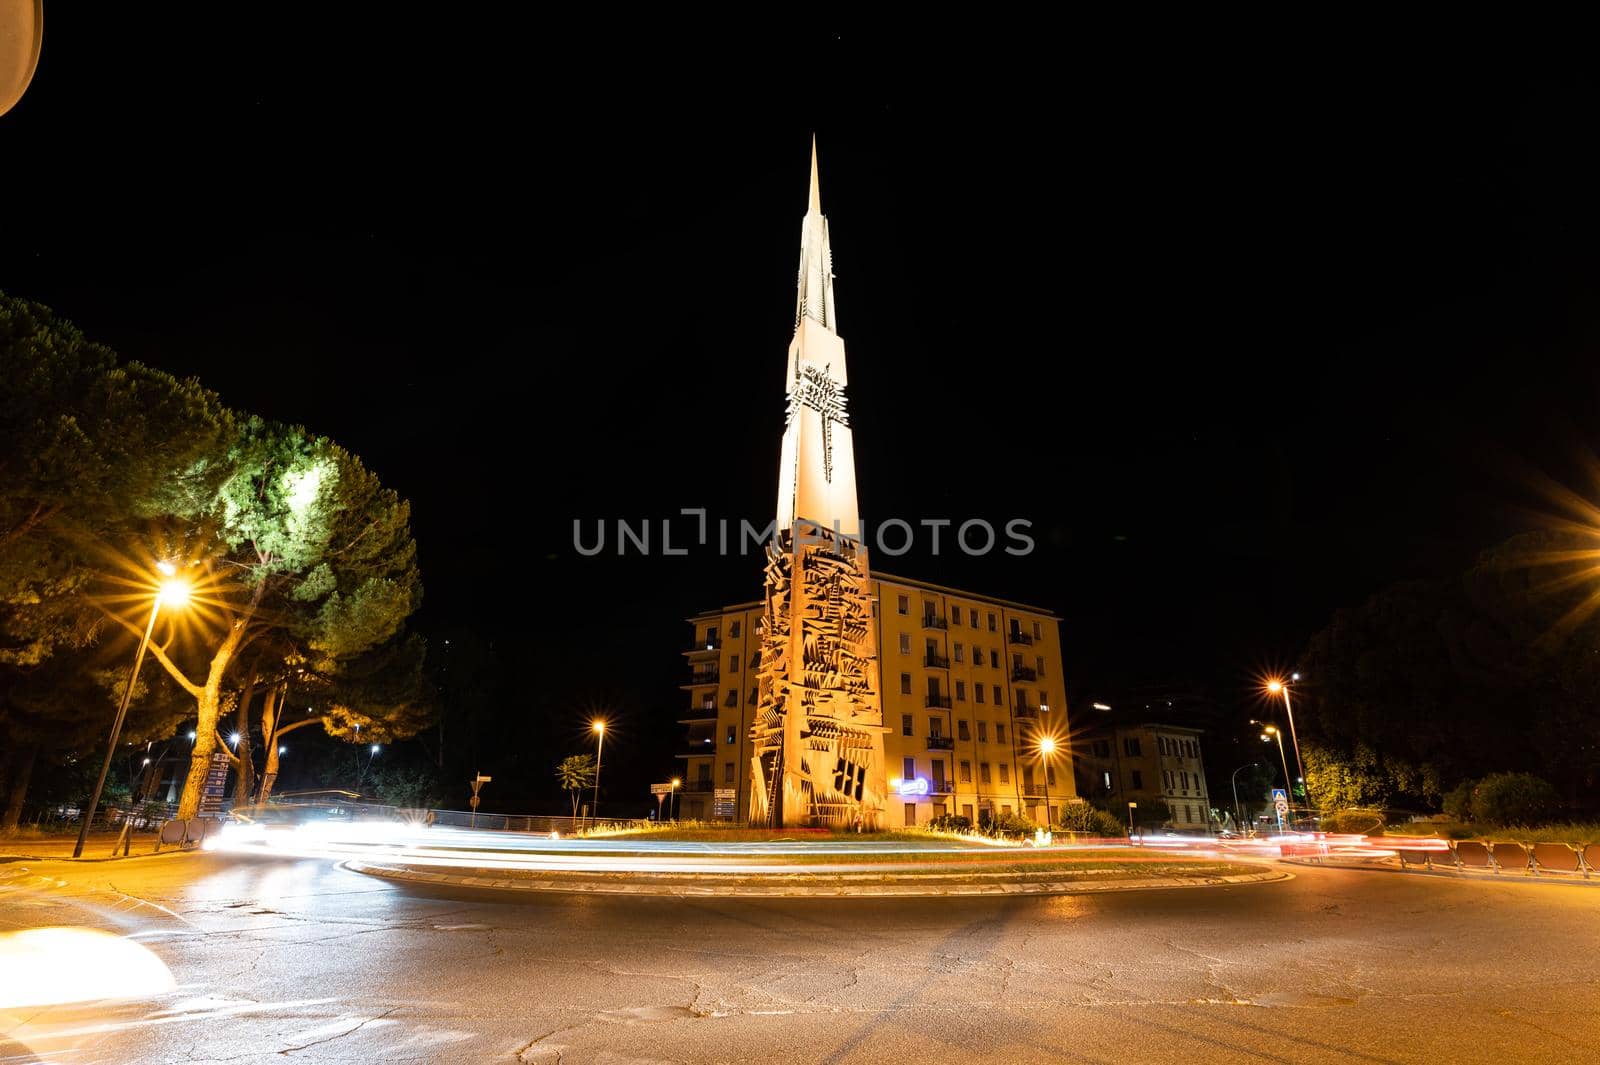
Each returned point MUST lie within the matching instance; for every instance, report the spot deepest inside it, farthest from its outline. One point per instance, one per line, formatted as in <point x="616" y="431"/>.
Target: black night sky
<point x="1245" y="338"/>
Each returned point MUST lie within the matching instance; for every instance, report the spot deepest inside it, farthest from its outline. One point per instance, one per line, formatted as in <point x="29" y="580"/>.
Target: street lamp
<point x="1238" y="819"/>
<point x="1269" y="734"/>
<point x="598" y="727"/>
<point x="1047" y="747"/>
<point x="172" y="592"/>
<point x="1278" y="687"/>
<point x="677" y="782"/>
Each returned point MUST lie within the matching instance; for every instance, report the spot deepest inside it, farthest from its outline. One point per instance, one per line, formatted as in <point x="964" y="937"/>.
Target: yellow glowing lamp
<point x="174" y="593"/>
<point x="1274" y="686"/>
<point x="598" y="726"/>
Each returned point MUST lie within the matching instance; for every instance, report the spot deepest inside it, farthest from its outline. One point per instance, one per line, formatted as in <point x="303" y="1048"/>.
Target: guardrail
<point x="1496" y="856"/>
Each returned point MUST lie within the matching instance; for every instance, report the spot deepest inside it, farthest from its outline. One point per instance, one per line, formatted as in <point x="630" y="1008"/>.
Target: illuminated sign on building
<point x="914" y="786"/>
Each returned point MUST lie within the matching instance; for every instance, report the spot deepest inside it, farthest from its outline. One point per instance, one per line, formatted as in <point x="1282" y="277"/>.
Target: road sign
<point x="722" y="802"/>
<point x="661" y="789"/>
<point x="1280" y="803"/>
<point x="216" y="783"/>
<point x="1279" y="795"/>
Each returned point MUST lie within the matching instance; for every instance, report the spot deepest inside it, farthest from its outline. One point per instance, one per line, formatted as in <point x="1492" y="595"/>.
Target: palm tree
<point x="576" y="772"/>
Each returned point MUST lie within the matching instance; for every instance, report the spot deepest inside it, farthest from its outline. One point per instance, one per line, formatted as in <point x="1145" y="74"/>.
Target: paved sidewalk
<point x="864" y="886"/>
<point x="1487" y="875"/>
<point x="55" y="847"/>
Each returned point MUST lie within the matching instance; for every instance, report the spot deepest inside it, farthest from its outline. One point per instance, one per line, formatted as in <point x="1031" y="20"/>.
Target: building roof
<point x="910" y="582"/>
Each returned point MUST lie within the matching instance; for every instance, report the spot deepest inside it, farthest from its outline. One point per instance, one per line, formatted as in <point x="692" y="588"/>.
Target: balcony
<point x="1024" y="673"/>
<point x="1017" y="636"/>
<point x="710" y="647"/>
<point x="941" y="743"/>
<point x="935" y="701"/>
<point x="934" y="621"/>
<point x="702" y="677"/>
<point x="936" y="661"/>
<point x="699" y="716"/>
<point x="1024" y="711"/>
<point x="941" y="787"/>
<point x="696" y="747"/>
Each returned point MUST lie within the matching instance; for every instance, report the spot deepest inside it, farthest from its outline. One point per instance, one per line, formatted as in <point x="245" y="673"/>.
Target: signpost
<point x="477" y="782"/>
<point x="660" y="791"/>
<point x="1280" y="805"/>
<point x="1132" y="806"/>
<point x="722" y="802"/>
<point x="216" y="783"/>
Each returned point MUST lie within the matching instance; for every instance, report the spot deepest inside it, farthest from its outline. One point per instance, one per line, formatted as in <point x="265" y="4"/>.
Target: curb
<point x="1464" y="876"/>
<point x="899" y="890"/>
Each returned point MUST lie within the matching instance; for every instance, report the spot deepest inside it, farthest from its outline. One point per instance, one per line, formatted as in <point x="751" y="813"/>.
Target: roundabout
<point x="895" y="865"/>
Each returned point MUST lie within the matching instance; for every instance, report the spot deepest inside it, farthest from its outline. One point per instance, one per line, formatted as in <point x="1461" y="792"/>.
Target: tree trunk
<point x="208" y="708"/>
<point x="270" y="704"/>
<point x="243" y="769"/>
<point x="22" y="758"/>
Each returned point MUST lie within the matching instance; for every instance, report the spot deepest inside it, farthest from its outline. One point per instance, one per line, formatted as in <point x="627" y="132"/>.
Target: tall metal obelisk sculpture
<point x="818" y="732"/>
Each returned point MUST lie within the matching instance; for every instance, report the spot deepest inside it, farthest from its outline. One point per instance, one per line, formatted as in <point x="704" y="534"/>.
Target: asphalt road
<point x="301" y="960"/>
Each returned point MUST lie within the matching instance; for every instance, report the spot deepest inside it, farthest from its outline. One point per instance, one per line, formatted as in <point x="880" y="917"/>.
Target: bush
<point x="951" y="823"/>
<point x="1513" y="799"/>
<point x="1458" y="801"/>
<point x="1090" y="820"/>
<point x="1011" y="825"/>
<point x="1364" y="822"/>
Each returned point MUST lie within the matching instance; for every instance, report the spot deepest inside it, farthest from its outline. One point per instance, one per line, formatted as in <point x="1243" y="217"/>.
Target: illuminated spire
<point x="815" y="297"/>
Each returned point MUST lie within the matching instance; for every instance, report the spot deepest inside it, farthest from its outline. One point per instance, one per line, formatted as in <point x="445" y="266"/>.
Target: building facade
<point x="1145" y="763"/>
<point x="969" y="683"/>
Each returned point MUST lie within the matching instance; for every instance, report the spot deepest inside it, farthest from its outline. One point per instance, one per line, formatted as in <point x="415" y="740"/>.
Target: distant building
<point x="1118" y="764"/>
<point x="969" y="682"/>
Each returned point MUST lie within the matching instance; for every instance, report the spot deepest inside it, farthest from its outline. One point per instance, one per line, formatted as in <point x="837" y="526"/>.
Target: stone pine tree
<point x="90" y="449"/>
<point x="299" y="542"/>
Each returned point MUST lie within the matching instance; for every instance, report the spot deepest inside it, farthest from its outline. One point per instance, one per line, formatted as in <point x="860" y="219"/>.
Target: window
<point x="931" y="649"/>
<point x="907" y="727"/>
<point x="1038" y="631"/>
<point x="994" y="661"/>
<point x="1039" y="665"/>
<point x="966" y="772"/>
<point x="935" y="728"/>
<point x="996" y="689"/>
<point x="1166" y="779"/>
<point x="1006" y="809"/>
<point x="903" y="604"/>
<point x="1027" y="778"/>
<point x="983" y="772"/>
<point x="1005" y="775"/>
<point x="991" y="621"/>
<point x="1050" y="775"/>
<point x="733" y="734"/>
<point x="1044" y="701"/>
<point x="733" y="697"/>
<point x="966" y="811"/>
<point x="961" y="731"/>
<point x="1184" y="777"/>
<point x="911" y="813"/>
<point x="727" y="772"/>
<point x="961" y="653"/>
<point x="754" y="693"/>
<point x="977" y="655"/>
<point x="929" y="611"/>
<point x="1022" y="697"/>
<point x="905" y="643"/>
<point x="1107" y="776"/>
<point x="910" y="769"/>
<point x="1101" y="748"/>
<point x="905" y="684"/>
<point x="711" y="637"/>
<point x="983" y="732"/>
<point x="977" y="692"/>
<point x="733" y="630"/>
<point x="1130" y="746"/>
<point x="961" y="691"/>
<point x="999" y="732"/>
<point x="955" y="614"/>
<point x="733" y="663"/>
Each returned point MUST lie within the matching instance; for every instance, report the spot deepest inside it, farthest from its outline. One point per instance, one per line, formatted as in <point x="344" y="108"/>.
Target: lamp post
<point x="599" y="729"/>
<point x="1238" y="819"/>
<point x="1047" y="747"/>
<point x="1277" y="687"/>
<point x="677" y="782"/>
<point x="174" y="593"/>
<point x="1270" y="733"/>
